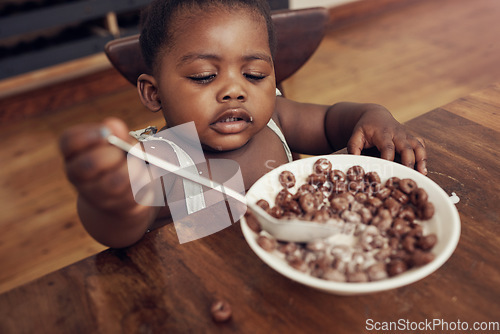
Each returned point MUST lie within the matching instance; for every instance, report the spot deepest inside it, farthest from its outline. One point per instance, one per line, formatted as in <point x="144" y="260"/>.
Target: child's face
<point x="219" y="74"/>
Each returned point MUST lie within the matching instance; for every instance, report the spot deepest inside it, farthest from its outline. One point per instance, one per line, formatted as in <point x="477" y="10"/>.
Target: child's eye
<point x="254" y="77"/>
<point x="202" y="79"/>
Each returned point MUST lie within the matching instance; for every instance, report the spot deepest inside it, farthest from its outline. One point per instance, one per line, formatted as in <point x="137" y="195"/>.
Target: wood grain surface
<point x="159" y="285"/>
<point x="410" y="60"/>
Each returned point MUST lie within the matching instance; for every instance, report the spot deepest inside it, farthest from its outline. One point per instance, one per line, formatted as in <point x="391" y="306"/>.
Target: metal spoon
<point x="292" y="230"/>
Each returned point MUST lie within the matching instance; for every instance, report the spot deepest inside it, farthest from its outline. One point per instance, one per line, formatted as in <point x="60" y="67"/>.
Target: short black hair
<point x="156" y="32"/>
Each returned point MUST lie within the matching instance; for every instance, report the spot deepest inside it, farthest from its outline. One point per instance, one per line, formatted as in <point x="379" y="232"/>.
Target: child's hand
<point x="97" y="169"/>
<point x="378" y="128"/>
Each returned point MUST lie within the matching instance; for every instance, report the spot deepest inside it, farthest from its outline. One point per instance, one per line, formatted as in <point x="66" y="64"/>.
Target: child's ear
<point x="148" y="92"/>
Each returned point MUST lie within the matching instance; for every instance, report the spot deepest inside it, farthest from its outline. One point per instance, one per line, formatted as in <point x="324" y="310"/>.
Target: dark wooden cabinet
<point x="278" y="4"/>
<point x="35" y="34"/>
<point x="38" y="34"/>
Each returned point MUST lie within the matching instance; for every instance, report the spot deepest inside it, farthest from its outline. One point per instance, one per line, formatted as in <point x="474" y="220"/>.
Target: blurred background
<point x="35" y="34"/>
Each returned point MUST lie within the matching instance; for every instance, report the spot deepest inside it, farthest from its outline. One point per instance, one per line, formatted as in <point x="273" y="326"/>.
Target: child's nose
<point x="232" y="91"/>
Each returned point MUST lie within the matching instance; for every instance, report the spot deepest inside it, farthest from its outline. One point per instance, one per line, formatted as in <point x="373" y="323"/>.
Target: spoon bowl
<point x="292" y="230"/>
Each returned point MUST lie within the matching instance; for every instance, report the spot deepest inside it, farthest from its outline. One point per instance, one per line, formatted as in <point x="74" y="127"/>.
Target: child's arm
<point x="355" y="125"/>
<point x="99" y="172"/>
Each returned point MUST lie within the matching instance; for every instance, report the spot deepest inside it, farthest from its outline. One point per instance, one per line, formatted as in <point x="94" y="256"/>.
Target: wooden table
<point x="160" y="286"/>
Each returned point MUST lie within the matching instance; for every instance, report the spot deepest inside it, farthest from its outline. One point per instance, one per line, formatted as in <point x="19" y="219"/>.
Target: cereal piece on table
<point x="221" y="310"/>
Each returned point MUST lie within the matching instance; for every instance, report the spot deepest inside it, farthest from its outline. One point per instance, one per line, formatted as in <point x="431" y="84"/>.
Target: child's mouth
<point x="232" y="122"/>
<point x="231" y="119"/>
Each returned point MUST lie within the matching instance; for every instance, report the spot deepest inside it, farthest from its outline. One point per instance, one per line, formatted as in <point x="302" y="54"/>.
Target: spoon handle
<point x="138" y="153"/>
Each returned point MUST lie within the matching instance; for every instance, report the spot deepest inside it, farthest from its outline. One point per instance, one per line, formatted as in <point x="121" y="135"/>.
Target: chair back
<point x="298" y="35"/>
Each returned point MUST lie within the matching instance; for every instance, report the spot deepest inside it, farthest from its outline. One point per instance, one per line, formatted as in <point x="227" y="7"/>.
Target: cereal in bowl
<point x="381" y="223"/>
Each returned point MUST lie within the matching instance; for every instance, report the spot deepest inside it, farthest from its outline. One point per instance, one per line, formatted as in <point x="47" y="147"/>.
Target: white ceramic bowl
<point x="445" y="223"/>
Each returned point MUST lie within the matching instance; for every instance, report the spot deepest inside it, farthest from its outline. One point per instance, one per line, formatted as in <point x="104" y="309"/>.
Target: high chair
<point x="298" y="35"/>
